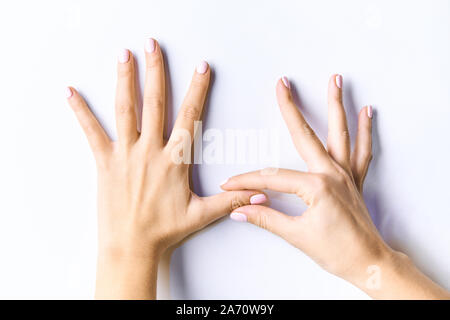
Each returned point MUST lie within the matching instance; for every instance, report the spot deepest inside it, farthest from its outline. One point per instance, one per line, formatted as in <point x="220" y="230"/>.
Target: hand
<point x="336" y="230"/>
<point x="145" y="203"/>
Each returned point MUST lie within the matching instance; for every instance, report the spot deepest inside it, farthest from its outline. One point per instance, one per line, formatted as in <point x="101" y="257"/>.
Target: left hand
<point x="145" y="202"/>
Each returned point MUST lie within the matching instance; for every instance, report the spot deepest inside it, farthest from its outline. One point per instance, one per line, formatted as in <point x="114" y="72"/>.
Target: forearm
<point x="126" y="277"/>
<point x="398" y="278"/>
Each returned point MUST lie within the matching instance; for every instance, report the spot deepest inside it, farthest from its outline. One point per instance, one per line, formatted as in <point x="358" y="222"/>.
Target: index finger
<point x="283" y="180"/>
<point x="192" y="106"/>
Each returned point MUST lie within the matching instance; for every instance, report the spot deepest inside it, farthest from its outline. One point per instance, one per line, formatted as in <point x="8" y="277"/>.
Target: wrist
<point x="128" y="248"/>
<point x="126" y="274"/>
<point x="369" y="273"/>
<point x="394" y="276"/>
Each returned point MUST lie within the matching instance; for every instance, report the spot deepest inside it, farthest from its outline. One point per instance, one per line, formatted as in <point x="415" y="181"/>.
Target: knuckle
<point x="262" y="221"/>
<point x="125" y="71"/>
<point x="191" y="112"/>
<point x="307" y="130"/>
<point x="235" y="203"/>
<point x="366" y="155"/>
<point x="345" y="134"/>
<point x="124" y="108"/>
<point x="338" y="99"/>
<point x="153" y="102"/>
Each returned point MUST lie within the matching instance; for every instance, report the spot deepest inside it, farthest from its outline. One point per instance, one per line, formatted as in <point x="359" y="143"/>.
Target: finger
<point x="192" y="106"/>
<point x="154" y="95"/>
<point x="338" y="142"/>
<point x="266" y="218"/>
<point x="306" y="142"/>
<point x="126" y="99"/>
<point x="97" y="137"/>
<point x="362" y="154"/>
<point x="209" y="209"/>
<point x="281" y="180"/>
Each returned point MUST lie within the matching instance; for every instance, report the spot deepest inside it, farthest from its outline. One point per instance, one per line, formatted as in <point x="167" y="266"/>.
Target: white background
<point x="392" y="54"/>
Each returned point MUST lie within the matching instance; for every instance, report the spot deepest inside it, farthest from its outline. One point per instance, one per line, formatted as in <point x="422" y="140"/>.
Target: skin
<point x="145" y="203"/>
<point x="336" y="230"/>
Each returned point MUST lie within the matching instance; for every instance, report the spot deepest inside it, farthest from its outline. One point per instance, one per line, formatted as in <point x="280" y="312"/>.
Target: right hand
<point x="336" y="230"/>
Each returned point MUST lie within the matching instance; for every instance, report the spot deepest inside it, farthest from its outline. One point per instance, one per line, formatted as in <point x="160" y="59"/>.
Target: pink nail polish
<point x="369" y="112"/>
<point x="258" y="199"/>
<point x="202" y="67"/>
<point x="124" y="56"/>
<point x="286" y="82"/>
<point x="339" y="81"/>
<point x="150" y="45"/>
<point x="237" y="216"/>
<point x="68" y="92"/>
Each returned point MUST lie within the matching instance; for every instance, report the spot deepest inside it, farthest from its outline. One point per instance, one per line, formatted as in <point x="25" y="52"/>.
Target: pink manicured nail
<point x="224" y="181"/>
<point x="369" y="112"/>
<point x="258" y="199"/>
<point x="286" y="82"/>
<point x="124" y="56"/>
<point x="237" y="216"/>
<point x="202" y="67"/>
<point x="68" y="92"/>
<point x="150" y="45"/>
<point x="339" y="81"/>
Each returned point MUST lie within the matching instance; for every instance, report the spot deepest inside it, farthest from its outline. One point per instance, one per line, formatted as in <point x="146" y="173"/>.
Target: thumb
<point x="264" y="217"/>
<point x="219" y="205"/>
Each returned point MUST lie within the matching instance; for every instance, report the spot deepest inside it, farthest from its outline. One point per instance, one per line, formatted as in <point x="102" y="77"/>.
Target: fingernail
<point x="258" y="199"/>
<point x="150" y="45"/>
<point x="338" y="81"/>
<point x="369" y="112"/>
<point x="237" y="216"/>
<point x="124" y="56"/>
<point x="68" y="92"/>
<point x="224" y="181"/>
<point x="202" y="67"/>
<point x="286" y="82"/>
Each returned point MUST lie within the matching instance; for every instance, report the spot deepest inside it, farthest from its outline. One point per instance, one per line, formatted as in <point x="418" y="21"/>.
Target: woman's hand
<point x="336" y="230"/>
<point x="145" y="203"/>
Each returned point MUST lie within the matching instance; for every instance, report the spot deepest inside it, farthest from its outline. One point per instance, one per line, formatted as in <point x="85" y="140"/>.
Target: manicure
<point x="124" y="56"/>
<point x="224" y="182"/>
<point x="237" y="216"/>
<point x="150" y="45"/>
<point x="286" y="82"/>
<point x="258" y="199"/>
<point x="339" y="81"/>
<point x="202" y="67"/>
<point x="369" y="112"/>
<point x="68" y="93"/>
